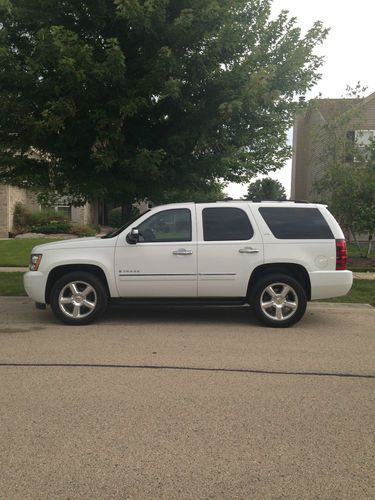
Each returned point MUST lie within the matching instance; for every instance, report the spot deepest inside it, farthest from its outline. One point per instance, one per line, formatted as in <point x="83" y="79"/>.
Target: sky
<point x="347" y="50"/>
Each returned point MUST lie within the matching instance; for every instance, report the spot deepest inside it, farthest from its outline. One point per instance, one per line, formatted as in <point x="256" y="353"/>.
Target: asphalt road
<point x="187" y="403"/>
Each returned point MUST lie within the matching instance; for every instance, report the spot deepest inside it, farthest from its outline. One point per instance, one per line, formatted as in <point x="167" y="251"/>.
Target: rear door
<point x="229" y="248"/>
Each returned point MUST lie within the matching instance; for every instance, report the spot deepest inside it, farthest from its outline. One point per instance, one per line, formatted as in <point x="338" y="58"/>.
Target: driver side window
<point x="168" y="225"/>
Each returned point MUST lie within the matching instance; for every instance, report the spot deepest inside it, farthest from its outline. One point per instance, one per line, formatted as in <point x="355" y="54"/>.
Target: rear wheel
<point x="279" y="300"/>
<point x="78" y="298"/>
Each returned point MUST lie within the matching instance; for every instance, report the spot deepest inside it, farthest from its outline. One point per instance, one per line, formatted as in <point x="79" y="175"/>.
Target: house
<point x="311" y="148"/>
<point x="10" y="195"/>
<point x="94" y="212"/>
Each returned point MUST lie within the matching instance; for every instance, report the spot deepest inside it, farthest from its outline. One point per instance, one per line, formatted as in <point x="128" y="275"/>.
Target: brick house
<point x="310" y="151"/>
<point x="10" y="195"/>
<point x="94" y="212"/>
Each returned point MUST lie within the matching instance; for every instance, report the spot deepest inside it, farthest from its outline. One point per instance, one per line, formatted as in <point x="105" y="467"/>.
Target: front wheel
<point x="279" y="300"/>
<point x="78" y="298"/>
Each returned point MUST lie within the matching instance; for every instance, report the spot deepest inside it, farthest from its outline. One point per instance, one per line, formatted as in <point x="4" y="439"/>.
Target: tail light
<point x="341" y="255"/>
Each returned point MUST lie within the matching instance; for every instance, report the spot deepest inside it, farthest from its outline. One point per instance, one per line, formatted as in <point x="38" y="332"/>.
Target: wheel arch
<point x="296" y="271"/>
<point x="59" y="271"/>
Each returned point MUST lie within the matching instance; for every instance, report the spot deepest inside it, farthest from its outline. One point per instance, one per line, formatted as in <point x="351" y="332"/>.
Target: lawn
<point x="11" y="284"/>
<point x="358" y="263"/>
<point x="16" y="252"/>
<point x="362" y="292"/>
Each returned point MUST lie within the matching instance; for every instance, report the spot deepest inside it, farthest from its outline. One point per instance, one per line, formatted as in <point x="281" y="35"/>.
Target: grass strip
<point x="11" y="284"/>
<point x="16" y="252"/>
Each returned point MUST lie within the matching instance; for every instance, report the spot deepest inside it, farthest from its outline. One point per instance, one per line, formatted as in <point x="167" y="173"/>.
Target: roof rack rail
<point x="249" y="201"/>
<point x="285" y="201"/>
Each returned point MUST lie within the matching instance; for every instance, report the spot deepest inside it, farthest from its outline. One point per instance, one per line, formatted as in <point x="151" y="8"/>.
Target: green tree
<point x="145" y="98"/>
<point x="350" y="188"/>
<point x="348" y="182"/>
<point x="266" y="189"/>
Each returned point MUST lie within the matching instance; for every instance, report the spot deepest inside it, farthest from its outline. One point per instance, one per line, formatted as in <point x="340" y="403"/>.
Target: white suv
<point x="275" y="256"/>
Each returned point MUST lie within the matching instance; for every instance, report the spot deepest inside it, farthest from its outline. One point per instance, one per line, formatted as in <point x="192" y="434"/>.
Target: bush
<point x="46" y="217"/>
<point x="53" y="227"/>
<point x="96" y="227"/>
<point x="49" y="222"/>
<point x="83" y="230"/>
<point x="21" y="218"/>
<point x="115" y="217"/>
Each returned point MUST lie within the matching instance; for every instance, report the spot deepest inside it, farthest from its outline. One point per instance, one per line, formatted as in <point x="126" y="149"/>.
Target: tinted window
<point x="296" y="223"/>
<point x="168" y="225"/>
<point x="225" y="224"/>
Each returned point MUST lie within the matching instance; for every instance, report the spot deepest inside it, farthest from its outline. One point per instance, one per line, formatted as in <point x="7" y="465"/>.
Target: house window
<point x="364" y="137"/>
<point x="358" y="142"/>
<point x="64" y="209"/>
<point x="61" y="209"/>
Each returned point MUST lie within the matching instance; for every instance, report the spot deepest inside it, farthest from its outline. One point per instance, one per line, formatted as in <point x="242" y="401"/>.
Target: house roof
<point x="330" y="108"/>
<point x="333" y="107"/>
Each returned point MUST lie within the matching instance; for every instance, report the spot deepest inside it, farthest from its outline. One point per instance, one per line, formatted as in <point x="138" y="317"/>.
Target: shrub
<point x="46" y="217"/>
<point x="83" y="230"/>
<point x="96" y="227"/>
<point x="115" y="217"/>
<point x="21" y="218"/>
<point x="53" y="227"/>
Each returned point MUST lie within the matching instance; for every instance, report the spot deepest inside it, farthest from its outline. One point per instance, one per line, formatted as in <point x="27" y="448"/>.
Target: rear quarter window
<point x="299" y="223"/>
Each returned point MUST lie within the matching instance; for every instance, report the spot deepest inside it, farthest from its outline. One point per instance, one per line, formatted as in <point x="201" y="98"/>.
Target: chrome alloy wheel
<point x="279" y="301"/>
<point x="77" y="299"/>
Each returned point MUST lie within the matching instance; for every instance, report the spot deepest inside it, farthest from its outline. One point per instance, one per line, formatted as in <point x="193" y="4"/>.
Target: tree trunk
<point x="126" y="211"/>
<point x="369" y="246"/>
<point x="356" y="241"/>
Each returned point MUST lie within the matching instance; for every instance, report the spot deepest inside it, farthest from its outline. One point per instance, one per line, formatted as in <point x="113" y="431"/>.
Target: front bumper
<point x="34" y="283"/>
<point x="327" y="284"/>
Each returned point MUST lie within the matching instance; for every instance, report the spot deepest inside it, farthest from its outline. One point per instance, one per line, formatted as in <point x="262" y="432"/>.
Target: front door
<point x="164" y="261"/>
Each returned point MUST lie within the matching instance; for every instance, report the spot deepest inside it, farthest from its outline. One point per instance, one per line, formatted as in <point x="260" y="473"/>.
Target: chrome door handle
<point x="248" y="250"/>
<point x="182" y="251"/>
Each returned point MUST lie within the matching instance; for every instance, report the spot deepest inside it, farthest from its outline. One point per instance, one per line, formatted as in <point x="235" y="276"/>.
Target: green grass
<point x="352" y="250"/>
<point x="16" y="252"/>
<point x="362" y="292"/>
<point x="11" y="284"/>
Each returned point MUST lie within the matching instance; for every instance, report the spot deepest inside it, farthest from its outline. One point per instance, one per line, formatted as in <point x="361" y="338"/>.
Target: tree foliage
<point x="266" y="189"/>
<point x="142" y="97"/>
<point x="348" y="182"/>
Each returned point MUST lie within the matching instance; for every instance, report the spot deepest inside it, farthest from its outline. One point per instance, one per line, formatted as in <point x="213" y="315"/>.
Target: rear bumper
<point x="34" y="283"/>
<point x="327" y="284"/>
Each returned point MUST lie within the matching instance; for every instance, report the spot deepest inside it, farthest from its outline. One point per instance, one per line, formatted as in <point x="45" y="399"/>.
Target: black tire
<point x="91" y="306"/>
<point x="276" y="310"/>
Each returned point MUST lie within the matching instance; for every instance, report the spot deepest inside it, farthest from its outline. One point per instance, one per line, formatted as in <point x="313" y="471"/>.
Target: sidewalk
<point x="13" y="269"/>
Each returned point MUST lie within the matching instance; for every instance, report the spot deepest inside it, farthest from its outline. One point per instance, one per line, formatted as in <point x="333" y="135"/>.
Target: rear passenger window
<point x="287" y="223"/>
<point x="226" y="224"/>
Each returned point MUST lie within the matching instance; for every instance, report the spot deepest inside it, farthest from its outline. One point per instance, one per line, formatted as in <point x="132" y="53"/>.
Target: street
<point x="187" y="403"/>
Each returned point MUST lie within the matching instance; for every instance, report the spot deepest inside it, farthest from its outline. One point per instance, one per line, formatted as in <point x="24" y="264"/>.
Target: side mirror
<point x="133" y="237"/>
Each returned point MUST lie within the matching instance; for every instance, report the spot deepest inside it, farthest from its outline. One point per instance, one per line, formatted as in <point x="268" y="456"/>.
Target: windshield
<point x="116" y="232"/>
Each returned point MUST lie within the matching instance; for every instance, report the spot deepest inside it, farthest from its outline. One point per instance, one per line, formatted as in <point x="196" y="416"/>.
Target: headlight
<point x="35" y="259"/>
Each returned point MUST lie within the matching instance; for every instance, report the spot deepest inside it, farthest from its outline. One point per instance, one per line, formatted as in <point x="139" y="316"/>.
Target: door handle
<point x="182" y="251"/>
<point x="248" y="250"/>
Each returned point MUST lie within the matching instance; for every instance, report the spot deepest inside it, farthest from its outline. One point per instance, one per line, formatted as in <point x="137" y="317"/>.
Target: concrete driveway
<point x="187" y="403"/>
